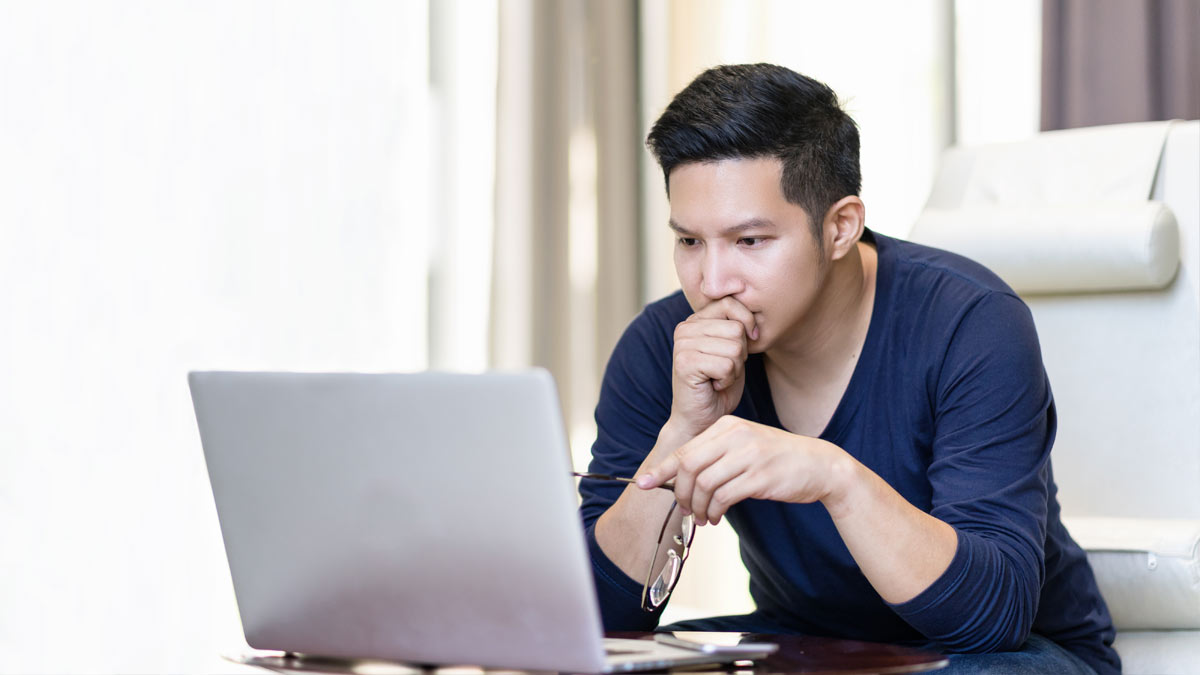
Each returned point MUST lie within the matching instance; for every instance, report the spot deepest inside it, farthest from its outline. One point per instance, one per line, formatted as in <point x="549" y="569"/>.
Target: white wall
<point x="182" y="185"/>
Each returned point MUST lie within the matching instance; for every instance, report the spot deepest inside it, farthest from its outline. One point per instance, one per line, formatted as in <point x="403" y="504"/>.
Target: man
<point x="871" y="415"/>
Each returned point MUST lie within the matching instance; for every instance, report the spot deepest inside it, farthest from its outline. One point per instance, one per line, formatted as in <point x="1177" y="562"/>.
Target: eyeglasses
<point x="670" y="552"/>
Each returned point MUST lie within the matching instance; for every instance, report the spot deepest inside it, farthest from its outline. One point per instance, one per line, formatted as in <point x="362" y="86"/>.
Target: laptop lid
<point x="425" y="517"/>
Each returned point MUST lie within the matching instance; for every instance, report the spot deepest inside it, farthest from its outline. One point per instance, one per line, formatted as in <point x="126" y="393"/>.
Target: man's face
<point x="738" y="236"/>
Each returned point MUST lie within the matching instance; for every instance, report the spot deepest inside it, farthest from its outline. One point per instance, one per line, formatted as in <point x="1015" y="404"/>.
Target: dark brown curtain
<point x="1114" y="61"/>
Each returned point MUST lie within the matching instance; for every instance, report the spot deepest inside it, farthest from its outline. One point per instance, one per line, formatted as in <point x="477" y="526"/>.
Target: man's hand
<point x="707" y="380"/>
<point x="735" y="459"/>
<point x="709" y="365"/>
<point x="899" y="548"/>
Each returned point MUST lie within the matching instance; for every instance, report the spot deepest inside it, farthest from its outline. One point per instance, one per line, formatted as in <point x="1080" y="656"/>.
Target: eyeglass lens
<point x="669" y="554"/>
<point x="668" y="560"/>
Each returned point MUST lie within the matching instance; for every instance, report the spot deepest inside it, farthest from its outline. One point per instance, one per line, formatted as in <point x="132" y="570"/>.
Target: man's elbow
<point x="1007" y="639"/>
<point x="1004" y="629"/>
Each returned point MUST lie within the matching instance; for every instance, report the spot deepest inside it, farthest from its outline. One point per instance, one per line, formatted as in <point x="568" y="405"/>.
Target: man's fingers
<point x="698" y="368"/>
<point x="722" y="328"/>
<point x="704" y="357"/>
<point x="713" y="471"/>
<point x="710" y="488"/>
<point x="684" y="464"/>
<point x="660" y="474"/>
<point x="729" y="308"/>
<point x="692" y="459"/>
<point x="729" y="349"/>
<point x="738" y="488"/>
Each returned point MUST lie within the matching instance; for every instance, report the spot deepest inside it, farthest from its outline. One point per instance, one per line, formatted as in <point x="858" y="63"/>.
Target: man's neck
<point x="831" y="336"/>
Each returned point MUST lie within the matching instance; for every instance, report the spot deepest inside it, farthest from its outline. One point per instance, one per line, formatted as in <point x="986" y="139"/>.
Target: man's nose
<point x="718" y="276"/>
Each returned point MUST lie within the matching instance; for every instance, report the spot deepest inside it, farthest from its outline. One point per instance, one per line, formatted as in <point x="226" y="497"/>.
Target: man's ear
<point x="843" y="225"/>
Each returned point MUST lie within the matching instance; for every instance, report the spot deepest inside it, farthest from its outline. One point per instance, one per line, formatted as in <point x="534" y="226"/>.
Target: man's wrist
<point x="676" y="432"/>
<point x="844" y="481"/>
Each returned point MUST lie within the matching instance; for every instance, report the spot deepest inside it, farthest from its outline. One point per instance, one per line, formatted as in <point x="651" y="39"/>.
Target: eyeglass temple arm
<point x="631" y="481"/>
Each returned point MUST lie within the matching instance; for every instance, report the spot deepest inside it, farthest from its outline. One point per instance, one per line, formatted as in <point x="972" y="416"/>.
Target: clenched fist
<point x="709" y="364"/>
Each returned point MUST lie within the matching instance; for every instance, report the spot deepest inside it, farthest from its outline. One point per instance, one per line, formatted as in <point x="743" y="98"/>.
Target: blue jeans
<point x="1037" y="656"/>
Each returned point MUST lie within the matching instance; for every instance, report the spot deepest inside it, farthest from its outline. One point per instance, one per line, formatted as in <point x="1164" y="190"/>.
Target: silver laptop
<point x="427" y="518"/>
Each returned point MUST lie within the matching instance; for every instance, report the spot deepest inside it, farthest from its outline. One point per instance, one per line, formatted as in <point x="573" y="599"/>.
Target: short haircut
<point x="763" y="110"/>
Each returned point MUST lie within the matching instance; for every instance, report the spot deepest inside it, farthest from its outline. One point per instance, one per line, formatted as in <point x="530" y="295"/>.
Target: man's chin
<point x="757" y="346"/>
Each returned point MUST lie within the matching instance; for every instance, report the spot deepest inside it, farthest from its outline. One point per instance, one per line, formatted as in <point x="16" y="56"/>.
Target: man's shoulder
<point x="672" y="307"/>
<point x="919" y="271"/>
<point x="937" y="299"/>
<point x="641" y="360"/>
<point x="660" y="317"/>
<point x="651" y="334"/>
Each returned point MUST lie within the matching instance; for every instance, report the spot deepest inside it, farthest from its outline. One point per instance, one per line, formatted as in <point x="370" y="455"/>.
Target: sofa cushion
<point x="1148" y="570"/>
<point x="1159" y="652"/>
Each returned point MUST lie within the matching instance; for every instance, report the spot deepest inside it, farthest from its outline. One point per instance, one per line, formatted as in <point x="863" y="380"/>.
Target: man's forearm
<point x="899" y="548"/>
<point x="628" y="530"/>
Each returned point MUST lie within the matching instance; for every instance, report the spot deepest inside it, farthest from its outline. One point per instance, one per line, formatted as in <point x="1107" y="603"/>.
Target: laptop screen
<point x="425" y="517"/>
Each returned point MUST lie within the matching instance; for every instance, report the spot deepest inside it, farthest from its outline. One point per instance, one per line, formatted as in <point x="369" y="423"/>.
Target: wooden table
<point x="797" y="654"/>
<point x="827" y="656"/>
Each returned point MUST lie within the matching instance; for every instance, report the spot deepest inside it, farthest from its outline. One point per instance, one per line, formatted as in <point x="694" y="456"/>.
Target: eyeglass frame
<point x="684" y="541"/>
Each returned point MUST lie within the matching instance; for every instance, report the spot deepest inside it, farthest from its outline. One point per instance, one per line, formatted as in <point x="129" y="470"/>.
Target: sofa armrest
<point x="1148" y="570"/>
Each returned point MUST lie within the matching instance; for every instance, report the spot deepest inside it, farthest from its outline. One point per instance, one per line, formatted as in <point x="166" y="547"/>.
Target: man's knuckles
<point x="720" y="501"/>
<point x="710" y="328"/>
<point x="691" y="461"/>
<point x="703" y="367"/>
<point x="690" y="361"/>
<point x="707" y="483"/>
<point x="713" y="347"/>
<point x="727" y="423"/>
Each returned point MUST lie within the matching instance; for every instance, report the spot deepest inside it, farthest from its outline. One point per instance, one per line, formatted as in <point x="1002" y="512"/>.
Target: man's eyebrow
<point x="752" y="224"/>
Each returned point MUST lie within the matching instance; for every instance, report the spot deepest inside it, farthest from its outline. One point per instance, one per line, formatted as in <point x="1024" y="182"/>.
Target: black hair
<point x="763" y="110"/>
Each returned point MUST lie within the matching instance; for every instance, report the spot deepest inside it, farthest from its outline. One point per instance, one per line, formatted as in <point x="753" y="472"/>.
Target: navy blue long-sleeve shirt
<point x="950" y="404"/>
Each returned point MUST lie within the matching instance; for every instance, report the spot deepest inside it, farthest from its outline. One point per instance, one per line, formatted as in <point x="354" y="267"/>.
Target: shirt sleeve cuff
<point x="620" y="597"/>
<point x="925" y="607"/>
<point x="974" y="606"/>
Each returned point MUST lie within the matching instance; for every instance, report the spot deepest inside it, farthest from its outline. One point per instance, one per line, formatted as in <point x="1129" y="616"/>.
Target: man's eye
<point x="751" y="241"/>
<point x="687" y="241"/>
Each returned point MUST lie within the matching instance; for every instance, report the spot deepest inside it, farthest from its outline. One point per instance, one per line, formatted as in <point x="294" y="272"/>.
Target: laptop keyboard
<point x="615" y="651"/>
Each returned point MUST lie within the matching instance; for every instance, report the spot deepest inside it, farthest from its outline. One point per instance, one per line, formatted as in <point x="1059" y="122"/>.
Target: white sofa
<point x="1099" y="231"/>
